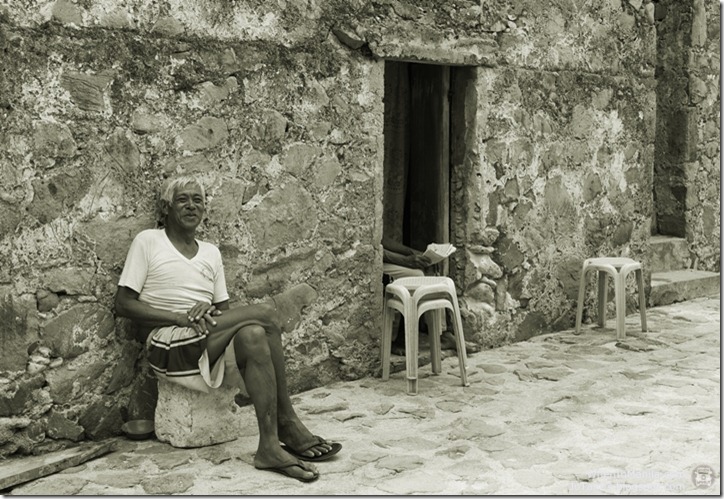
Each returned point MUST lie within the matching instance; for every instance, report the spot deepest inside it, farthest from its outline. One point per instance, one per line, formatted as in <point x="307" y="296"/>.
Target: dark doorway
<point x="427" y="200"/>
<point x="417" y="153"/>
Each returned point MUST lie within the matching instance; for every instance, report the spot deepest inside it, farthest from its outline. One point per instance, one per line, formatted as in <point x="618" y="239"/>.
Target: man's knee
<point x="267" y="313"/>
<point x="252" y="339"/>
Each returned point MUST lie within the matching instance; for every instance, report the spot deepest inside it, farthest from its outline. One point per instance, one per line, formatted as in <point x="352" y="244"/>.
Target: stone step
<point x="679" y="285"/>
<point x="669" y="253"/>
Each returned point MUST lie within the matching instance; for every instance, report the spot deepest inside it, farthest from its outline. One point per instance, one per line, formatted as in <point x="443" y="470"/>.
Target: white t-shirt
<point x="166" y="279"/>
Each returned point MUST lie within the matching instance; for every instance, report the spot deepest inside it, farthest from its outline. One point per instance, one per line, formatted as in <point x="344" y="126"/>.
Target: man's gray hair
<point x="168" y="191"/>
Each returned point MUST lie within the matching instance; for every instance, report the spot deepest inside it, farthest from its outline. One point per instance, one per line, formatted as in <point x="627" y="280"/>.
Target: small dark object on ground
<point x="138" y="429"/>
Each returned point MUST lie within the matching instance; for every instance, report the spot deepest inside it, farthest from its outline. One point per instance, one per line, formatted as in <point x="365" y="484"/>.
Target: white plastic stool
<point x="412" y="297"/>
<point x="618" y="268"/>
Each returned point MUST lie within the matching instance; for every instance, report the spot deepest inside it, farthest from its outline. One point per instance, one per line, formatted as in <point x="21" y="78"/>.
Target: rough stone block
<point x="290" y="303"/>
<point x="271" y="278"/>
<point x="54" y="140"/>
<point x="69" y="280"/>
<point x="189" y="418"/>
<point x="46" y="300"/>
<point x="101" y="419"/>
<point x="14" y="397"/>
<point x="533" y="325"/>
<point x="9" y="218"/>
<point x="19" y="329"/>
<point x="348" y="38"/>
<point x="204" y="134"/>
<point x="298" y="157"/>
<point x="67" y="333"/>
<point x="111" y="238"/>
<point x="622" y="234"/>
<point x="60" y="427"/>
<point x="122" y="153"/>
<point x="481" y="292"/>
<point x="124" y="372"/>
<point x="87" y="90"/>
<point x="71" y="379"/>
<point x="67" y="13"/>
<point x="509" y="254"/>
<point x="143" y="397"/>
<point x="683" y="135"/>
<point x="53" y="195"/>
<point x="668" y="253"/>
<point x="275" y="221"/>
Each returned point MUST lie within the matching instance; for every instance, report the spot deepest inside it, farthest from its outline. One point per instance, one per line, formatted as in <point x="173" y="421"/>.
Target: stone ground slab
<point x="558" y="414"/>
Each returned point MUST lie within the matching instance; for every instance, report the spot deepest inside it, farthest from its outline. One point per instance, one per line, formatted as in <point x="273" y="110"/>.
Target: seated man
<point x="400" y="261"/>
<point x="173" y="285"/>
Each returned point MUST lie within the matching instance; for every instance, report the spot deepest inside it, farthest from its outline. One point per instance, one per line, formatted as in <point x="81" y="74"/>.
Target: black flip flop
<point x="336" y="447"/>
<point x="284" y="470"/>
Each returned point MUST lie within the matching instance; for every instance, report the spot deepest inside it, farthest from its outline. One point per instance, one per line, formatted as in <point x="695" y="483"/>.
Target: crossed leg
<point x="256" y="333"/>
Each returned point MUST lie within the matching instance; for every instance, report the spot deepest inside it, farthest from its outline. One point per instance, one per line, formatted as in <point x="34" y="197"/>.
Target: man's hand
<point x="417" y="261"/>
<point x="200" y="316"/>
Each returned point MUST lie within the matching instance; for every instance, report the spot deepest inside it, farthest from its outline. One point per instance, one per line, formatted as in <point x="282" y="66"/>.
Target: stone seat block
<point x="189" y="418"/>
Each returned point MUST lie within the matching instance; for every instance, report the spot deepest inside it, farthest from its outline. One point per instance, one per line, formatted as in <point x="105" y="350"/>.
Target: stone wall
<point x="278" y="106"/>
<point x="703" y="215"/>
<point x="555" y="164"/>
<point x="99" y="106"/>
<point x="687" y="166"/>
<point x="564" y="175"/>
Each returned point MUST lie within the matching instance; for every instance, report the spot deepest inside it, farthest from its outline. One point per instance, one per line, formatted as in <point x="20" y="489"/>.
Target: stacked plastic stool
<point x="618" y="269"/>
<point x="412" y="297"/>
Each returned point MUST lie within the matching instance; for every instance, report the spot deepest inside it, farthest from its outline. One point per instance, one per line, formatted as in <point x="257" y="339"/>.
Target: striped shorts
<point x="179" y="355"/>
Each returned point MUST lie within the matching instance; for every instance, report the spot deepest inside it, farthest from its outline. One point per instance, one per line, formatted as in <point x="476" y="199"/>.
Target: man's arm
<point x="399" y="254"/>
<point x="395" y="247"/>
<point x="128" y="305"/>
<point x="389" y="256"/>
<point x="414" y="261"/>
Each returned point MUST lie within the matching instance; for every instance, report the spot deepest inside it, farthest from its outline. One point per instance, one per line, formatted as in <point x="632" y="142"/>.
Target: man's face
<point x="187" y="207"/>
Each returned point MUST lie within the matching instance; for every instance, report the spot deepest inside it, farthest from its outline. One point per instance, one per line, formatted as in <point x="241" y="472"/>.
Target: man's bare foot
<point x="294" y="435"/>
<point x="284" y="463"/>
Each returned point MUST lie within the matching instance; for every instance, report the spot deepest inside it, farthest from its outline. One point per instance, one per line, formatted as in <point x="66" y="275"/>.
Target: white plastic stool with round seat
<point x="618" y="269"/>
<point x="412" y="297"/>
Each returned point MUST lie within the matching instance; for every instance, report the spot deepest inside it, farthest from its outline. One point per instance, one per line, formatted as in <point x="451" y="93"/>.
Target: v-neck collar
<point x="174" y="248"/>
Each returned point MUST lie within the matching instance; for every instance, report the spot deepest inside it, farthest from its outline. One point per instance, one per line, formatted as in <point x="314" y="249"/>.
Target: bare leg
<point x="253" y="356"/>
<point x="261" y="314"/>
<point x="283" y="312"/>
<point x="290" y="428"/>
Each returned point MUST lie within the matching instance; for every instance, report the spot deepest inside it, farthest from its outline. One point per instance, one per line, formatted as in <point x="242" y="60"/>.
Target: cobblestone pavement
<point x="558" y="414"/>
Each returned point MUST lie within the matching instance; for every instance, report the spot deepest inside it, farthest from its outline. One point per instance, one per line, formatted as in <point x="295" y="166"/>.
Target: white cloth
<point x="398" y="271"/>
<point x="166" y="279"/>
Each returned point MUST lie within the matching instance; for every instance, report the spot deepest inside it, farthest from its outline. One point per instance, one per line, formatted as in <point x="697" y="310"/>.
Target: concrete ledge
<point x="680" y="285"/>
